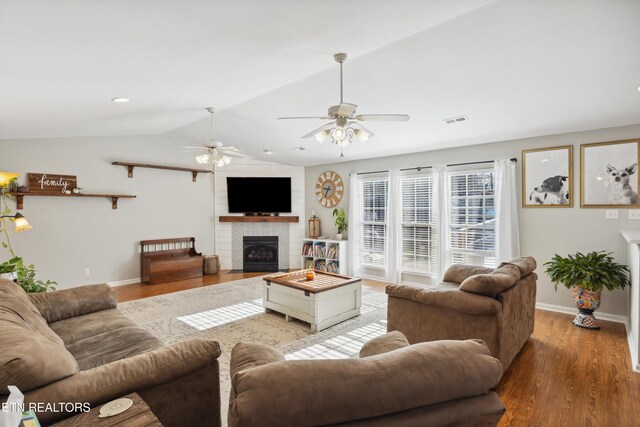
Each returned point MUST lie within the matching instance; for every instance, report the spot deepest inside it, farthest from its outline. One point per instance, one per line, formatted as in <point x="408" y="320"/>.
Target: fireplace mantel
<point x="238" y="218"/>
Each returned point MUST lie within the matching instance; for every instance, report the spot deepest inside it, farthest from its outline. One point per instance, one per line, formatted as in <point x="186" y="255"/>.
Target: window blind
<point x="374" y="193"/>
<point x="418" y="222"/>
<point x="471" y="212"/>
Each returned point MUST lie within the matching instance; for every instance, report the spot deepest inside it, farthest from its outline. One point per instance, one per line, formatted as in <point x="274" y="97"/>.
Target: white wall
<point x="253" y="168"/>
<point x="543" y="232"/>
<point x="71" y="234"/>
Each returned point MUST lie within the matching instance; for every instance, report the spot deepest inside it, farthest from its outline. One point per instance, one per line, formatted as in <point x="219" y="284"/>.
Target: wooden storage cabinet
<point x="325" y="255"/>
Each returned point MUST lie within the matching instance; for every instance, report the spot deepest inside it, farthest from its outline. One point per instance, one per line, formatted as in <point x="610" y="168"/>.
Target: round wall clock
<point x="329" y="189"/>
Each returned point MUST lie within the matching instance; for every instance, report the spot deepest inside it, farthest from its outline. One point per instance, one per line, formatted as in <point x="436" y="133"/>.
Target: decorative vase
<point x="587" y="302"/>
<point x="339" y="236"/>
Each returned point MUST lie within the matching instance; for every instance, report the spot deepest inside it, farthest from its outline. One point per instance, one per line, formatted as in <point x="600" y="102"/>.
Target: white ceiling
<point x="515" y="68"/>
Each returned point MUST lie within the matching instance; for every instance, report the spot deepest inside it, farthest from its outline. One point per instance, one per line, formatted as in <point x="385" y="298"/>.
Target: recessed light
<point x="120" y="100"/>
<point x="269" y="152"/>
<point x="299" y="149"/>
<point x="638" y="88"/>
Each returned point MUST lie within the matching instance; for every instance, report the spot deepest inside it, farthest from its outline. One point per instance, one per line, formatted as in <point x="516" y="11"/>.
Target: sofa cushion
<point x="31" y="354"/>
<point x="384" y="344"/>
<point x="526" y="264"/>
<point x="492" y="283"/>
<point x="112" y="345"/>
<point x="457" y="273"/>
<point x="252" y="355"/>
<point x="446" y="296"/>
<point x="74" y="302"/>
<point x="81" y="327"/>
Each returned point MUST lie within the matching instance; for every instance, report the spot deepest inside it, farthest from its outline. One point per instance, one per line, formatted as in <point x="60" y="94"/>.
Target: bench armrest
<point x="450" y="298"/>
<point x="59" y="305"/>
<point x="133" y="374"/>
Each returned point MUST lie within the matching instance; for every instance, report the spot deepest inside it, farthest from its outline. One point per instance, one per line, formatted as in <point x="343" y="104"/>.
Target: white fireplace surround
<point x="228" y="235"/>
<point x="241" y="229"/>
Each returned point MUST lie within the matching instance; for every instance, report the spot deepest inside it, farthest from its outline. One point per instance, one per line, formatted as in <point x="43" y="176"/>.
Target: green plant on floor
<point x="592" y="272"/>
<point x="23" y="274"/>
<point x="341" y="221"/>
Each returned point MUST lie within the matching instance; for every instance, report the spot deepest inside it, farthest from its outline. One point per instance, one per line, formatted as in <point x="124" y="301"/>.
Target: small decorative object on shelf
<point x="42" y="183"/>
<point x="586" y="276"/>
<point x="23" y="189"/>
<point x="314" y="226"/>
<point x="77" y="190"/>
<point x="310" y="275"/>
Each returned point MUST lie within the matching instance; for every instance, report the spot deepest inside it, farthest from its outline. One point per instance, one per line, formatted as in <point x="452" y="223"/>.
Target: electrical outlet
<point x="634" y="213"/>
<point x="87" y="272"/>
<point x="611" y="214"/>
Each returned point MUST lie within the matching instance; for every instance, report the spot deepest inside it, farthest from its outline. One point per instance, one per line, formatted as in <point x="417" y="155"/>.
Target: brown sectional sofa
<point x="443" y="383"/>
<point x="75" y="346"/>
<point x="495" y="306"/>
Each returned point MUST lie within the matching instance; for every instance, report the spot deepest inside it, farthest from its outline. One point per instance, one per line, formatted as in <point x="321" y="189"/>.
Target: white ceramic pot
<point x="338" y="236"/>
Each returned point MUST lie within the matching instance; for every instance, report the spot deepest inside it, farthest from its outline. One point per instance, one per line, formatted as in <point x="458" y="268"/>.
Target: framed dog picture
<point x="547" y="177"/>
<point x="609" y="174"/>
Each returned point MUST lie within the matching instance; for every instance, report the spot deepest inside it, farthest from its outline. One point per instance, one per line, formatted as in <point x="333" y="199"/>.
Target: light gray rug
<point x="232" y="312"/>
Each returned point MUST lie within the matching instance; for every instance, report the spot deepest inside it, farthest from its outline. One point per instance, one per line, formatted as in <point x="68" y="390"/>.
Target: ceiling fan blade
<point x="383" y="117"/>
<point x="294" y="118"/>
<point x="194" y="148"/>
<point x="313" y="132"/>
<point x="236" y="154"/>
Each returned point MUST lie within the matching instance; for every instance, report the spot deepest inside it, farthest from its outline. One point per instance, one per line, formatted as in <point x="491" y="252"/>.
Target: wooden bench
<point x="168" y="260"/>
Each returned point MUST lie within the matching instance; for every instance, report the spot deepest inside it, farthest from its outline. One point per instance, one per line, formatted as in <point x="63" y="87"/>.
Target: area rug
<point x="232" y="312"/>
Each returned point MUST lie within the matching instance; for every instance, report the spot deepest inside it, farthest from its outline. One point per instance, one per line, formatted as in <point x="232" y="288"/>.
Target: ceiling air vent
<point x="454" y="120"/>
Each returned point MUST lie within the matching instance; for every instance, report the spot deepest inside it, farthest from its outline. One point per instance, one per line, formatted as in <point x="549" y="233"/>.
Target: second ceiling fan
<point x="345" y="123"/>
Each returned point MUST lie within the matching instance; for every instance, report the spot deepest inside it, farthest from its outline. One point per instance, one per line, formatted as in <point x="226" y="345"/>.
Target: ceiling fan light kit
<point x="345" y="126"/>
<point x="216" y="153"/>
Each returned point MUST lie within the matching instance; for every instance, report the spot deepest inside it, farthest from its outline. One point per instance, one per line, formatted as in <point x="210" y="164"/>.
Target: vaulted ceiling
<point x="515" y="68"/>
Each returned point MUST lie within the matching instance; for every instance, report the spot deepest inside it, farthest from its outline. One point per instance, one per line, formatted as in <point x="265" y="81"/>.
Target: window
<point x="375" y="218"/>
<point x="472" y="232"/>
<point x="418" y="225"/>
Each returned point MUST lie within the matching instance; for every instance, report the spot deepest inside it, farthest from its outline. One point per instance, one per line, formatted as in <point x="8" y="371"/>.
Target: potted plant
<point x="341" y="222"/>
<point x="586" y="275"/>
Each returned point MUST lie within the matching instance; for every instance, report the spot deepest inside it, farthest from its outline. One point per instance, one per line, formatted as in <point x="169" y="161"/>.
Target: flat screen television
<point x="259" y="195"/>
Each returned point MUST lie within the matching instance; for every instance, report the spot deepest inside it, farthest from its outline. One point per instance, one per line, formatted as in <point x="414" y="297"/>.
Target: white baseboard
<point x="125" y="282"/>
<point x="572" y="310"/>
<point x="635" y="363"/>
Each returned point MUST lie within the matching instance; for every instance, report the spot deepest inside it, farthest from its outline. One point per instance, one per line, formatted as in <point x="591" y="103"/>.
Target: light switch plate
<point x="611" y="214"/>
<point x="634" y="213"/>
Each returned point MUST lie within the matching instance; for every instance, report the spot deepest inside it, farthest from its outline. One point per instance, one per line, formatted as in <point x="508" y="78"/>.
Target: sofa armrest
<point x="251" y="355"/>
<point x="133" y="374"/>
<point x="67" y="303"/>
<point x="450" y="298"/>
<point x="384" y="343"/>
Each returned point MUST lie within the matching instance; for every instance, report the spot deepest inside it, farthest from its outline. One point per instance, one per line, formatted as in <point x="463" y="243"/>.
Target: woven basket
<point x="211" y="264"/>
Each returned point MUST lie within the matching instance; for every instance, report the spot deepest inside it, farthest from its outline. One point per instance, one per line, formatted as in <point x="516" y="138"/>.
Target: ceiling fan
<point x="345" y="124"/>
<point x="217" y="154"/>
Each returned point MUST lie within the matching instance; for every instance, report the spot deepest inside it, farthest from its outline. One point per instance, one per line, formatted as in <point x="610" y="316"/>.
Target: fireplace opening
<point x="260" y="253"/>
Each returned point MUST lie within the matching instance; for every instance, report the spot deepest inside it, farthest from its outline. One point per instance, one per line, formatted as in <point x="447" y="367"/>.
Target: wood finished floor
<point x="564" y="376"/>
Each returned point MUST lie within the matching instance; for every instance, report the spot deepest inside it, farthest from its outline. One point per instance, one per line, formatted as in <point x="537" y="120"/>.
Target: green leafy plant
<point x="341" y="221"/>
<point x="23" y="274"/>
<point x="592" y="272"/>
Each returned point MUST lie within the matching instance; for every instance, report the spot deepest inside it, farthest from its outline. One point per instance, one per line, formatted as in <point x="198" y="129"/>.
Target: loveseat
<point x="75" y="346"/>
<point x="496" y="306"/>
<point x="444" y="383"/>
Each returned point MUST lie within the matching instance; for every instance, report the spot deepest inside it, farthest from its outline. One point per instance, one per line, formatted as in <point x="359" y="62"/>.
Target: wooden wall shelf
<point x="114" y="197"/>
<point x="130" y="166"/>
<point x="238" y="218"/>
